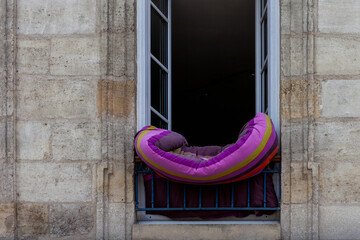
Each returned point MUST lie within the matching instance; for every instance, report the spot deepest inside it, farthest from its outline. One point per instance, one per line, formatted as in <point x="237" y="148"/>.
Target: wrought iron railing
<point x="141" y="170"/>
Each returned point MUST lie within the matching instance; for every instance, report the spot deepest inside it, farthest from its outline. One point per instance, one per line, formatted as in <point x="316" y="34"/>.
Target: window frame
<point x="143" y="62"/>
<point x="273" y="56"/>
<point x="143" y="70"/>
<point x="144" y="57"/>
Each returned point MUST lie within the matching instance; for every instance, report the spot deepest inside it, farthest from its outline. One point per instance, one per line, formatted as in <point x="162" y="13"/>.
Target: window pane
<point x="159" y="37"/>
<point x="262" y="6"/>
<point x="158" y="122"/>
<point x="264" y="91"/>
<point x="162" y="5"/>
<point x="159" y="89"/>
<point x="264" y="41"/>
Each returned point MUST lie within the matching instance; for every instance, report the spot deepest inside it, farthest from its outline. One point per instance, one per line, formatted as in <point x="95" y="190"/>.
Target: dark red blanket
<point x="209" y="197"/>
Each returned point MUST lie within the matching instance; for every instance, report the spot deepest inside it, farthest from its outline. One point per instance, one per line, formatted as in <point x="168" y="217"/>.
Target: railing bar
<point x="271" y="171"/>
<point x="232" y="195"/>
<point x="200" y="196"/>
<point x="217" y="196"/>
<point x="248" y="193"/>
<point x="167" y="193"/>
<point x="152" y="189"/>
<point x="210" y="208"/>
<point x="184" y="195"/>
<point x="264" y="190"/>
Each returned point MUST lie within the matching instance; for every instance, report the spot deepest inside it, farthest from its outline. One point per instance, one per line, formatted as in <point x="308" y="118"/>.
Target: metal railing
<point x="141" y="170"/>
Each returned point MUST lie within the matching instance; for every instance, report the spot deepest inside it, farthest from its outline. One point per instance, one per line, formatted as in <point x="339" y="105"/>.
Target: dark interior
<point x="213" y="66"/>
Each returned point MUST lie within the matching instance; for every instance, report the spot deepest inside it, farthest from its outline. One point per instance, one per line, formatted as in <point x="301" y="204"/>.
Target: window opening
<point x="158" y="93"/>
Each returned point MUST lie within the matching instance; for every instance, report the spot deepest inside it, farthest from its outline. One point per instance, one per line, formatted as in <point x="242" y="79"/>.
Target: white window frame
<point x="273" y="40"/>
<point x="144" y="57"/>
<point x="143" y="76"/>
<point x="143" y="62"/>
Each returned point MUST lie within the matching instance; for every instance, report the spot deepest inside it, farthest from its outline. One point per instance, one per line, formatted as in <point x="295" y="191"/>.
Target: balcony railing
<point x="143" y="172"/>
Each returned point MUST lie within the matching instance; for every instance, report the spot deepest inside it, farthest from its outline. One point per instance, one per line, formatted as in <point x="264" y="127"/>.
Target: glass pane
<point x="264" y="91"/>
<point x="158" y="122"/>
<point x="159" y="37"/>
<point x="262" y="6"/>
<point x="264" y="41"/>
<point x="162" y="5"/>
<point x="159" y="89"/>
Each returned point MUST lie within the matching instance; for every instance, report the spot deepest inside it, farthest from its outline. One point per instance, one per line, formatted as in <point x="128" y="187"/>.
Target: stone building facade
<point x="68" y="117"/>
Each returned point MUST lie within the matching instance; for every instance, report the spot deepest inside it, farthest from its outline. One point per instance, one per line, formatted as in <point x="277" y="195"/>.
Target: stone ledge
<point x="215" y="230"/>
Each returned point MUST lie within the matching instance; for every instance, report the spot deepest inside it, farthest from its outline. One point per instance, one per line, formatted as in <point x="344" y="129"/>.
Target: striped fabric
<point x="243" y="159"/>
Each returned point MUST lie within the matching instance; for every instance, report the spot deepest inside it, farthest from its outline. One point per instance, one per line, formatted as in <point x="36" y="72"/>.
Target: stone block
<point x="296" y="16"/>
<point x="292" y="56"/>
<point x="339" y="181"/>
<point x="285" y="21"/>
<point x="76" y="141"/>
<point x="297" y="57"/>
<point x="57" y="98"/>
<point x="337" y="140"/>
<point x="117" y="183"/>
<point x="340" y="98"/>
<point x="117" y="99"/>
<point x="32" y="220"/>
<point x="75" y="56"/>
<point x="337" y="56"/>
<point x="124" y="17"/>
<point x="285" y="65"/>
<point x="117" y="220"/>
<point x="33" y="56"/>
<point x="71" y="219"/>
<point x="7" y="220"/>
<point x="298" y="219"/>
<point x="6" y="180"/>
<point x="285" y="221"/>
<point x="2" y="54"/>
<point x="123" y="52"/>
<point x="295" y="96"/>
<point x="339" y="222"/>
<point x="56" y="16"/>
<point x="33" y="140"/>
<point x="205" y="231"/>
<point x="293" y="138"/>
<point x="299" y="184"/>
<point x="46" y="182"/>
<point x="339" y="16"/>
<point x="3" y="139"/>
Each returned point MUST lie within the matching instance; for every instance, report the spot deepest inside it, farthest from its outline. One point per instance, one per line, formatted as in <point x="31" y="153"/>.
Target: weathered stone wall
<point x="66" y="148"/>
<point x="320" y="118"/>
<point x="338" y="127"/>
<point x="67" y="121"/>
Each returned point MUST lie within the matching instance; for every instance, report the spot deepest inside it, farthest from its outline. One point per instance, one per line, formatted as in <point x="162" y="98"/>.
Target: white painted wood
<point x="257" y="57"/>
<point x="141" y="102"/>
<point x="169" y="68"/>
<point x="159" y="12"/>
<point x="274" y="63"/>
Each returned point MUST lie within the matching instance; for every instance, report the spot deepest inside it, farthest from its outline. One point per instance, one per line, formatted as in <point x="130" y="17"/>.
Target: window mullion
<point x="159" y="63"/>
<point x="159" y="115"/>
<point x="169" y="77"/>
<point x="159" y="12"/>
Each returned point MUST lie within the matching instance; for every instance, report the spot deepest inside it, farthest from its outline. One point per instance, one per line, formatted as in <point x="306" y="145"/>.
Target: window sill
<point x="208" y="230"/>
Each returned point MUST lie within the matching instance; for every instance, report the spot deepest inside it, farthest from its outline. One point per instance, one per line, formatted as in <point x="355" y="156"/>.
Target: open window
<point x="207" y="64"/>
